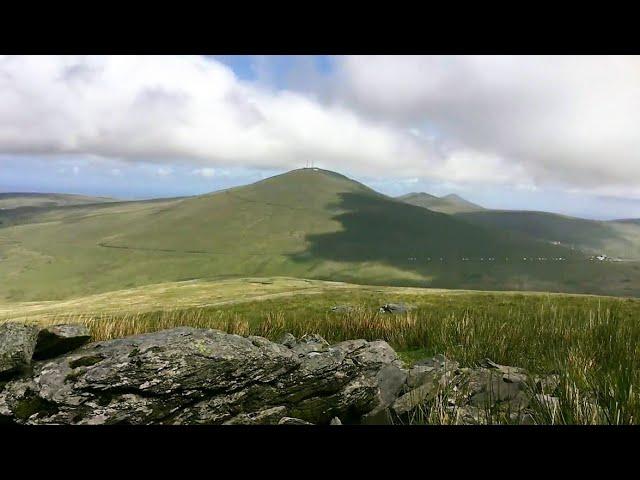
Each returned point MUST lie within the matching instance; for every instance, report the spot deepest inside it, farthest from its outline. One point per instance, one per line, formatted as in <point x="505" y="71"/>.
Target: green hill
<point x="628" y="220"/>
<point x="451" y="203"/>
<point x="614" y="238"/>
<point x="307" y="223"/>
<point x="16" y="200"/>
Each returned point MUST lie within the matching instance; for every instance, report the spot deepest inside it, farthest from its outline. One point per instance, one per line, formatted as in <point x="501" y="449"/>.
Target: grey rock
<point x="288" y="340"/>
<point x="506" y="370"/>
<point x="335" y="421"/>
<point x="493" y="389"/>
<point x="200" y="376"/>
<point x="438" y="362"/>
<point x="17" y="343"/>
<point x="471" y="415"/>
<point x="308" y="344"/>
<point x="342" y="309"/>
<point x="268" y="416"/>
<point x="413" y="399"/>
<point x="395" y="308"/>
<point x="58" y="339"/>
<point x="419" y="375"/>
<point x="293" y="421"/>
<point x="390" y="380"/>
<point x="521" y="378"/>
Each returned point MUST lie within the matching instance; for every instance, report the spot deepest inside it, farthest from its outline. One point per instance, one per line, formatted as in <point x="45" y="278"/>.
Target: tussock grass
<point x="594" y="346"/>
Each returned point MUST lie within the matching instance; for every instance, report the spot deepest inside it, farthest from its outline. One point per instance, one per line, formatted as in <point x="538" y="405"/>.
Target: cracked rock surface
<point x="201" y="376"/>
<point x="192" y="376"/>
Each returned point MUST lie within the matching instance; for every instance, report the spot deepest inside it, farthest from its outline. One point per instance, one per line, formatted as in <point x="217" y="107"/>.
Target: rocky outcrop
<point x="17" y="343"/>
<point x="200" y="376"/>
<point x="490" y="393"/>
<point x="193" y="376"/>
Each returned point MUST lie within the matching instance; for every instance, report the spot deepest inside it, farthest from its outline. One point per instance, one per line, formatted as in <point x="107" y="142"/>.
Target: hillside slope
<point x="451" y="203"/>
<point x="307" y="223"/>
<point x="614" y="238"/>
<point x="15" y="200"/>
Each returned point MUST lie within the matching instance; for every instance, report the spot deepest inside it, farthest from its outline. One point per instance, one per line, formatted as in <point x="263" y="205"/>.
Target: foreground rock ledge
<point x="198" y="376"/>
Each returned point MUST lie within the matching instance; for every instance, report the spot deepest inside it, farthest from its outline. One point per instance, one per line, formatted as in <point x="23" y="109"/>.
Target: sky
<point x="554" y="133"/>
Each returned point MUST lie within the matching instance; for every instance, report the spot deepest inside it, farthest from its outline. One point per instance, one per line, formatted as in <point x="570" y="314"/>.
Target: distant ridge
<point x="10" y="200"/>
<point x="449" y="204"/>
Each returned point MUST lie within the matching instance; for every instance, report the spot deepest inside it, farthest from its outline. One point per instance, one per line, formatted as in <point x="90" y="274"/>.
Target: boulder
<point x="414" y="398"/>
<point x="58" y="339"/>
<point x="342" y="309"/>
<point x="201" y="376"/>
<point x="395" y="308"/>
<point x="390" y="380"/>
<point x="17" y="343"/>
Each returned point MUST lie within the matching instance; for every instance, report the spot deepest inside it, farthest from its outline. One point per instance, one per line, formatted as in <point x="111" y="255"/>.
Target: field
<point x="592" y="342"/>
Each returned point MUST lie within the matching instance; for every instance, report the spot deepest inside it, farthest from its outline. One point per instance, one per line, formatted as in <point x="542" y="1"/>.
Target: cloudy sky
<point x="550" y="133"/>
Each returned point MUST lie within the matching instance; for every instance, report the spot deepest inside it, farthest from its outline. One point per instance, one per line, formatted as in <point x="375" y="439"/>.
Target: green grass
<point x="303" y="224"/>
<point x="592" y="343"/>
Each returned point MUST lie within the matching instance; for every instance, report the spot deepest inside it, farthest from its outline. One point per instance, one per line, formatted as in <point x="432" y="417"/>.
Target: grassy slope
<point x="16" y="200"/>
<point x="447" y="204"/>
<point x="310" y="224"/>
<point x="616" y="239"/>
<point x="590" y="342"/>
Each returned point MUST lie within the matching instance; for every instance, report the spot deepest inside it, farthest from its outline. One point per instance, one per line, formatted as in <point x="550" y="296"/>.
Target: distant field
<point x="591" y="342"/>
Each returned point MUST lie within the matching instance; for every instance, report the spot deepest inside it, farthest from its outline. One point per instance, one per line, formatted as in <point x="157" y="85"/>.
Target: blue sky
<point x="504" y="133"/>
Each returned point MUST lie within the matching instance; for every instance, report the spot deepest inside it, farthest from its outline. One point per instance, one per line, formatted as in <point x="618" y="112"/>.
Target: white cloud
<point x="566" y="120"/>
<point x="167" y="109"/>
<point x="495" y="120"/>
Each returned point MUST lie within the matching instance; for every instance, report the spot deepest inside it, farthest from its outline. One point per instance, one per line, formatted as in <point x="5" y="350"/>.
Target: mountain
<point x="307" y="223"/>
<point x="451" y="203"/>
<point x="614" y="238"/>
<point x="20" y="199"/>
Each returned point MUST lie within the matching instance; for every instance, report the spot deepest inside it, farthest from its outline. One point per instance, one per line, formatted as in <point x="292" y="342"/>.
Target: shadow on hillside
<point x="413" y="240"/>
<point x="407" y="237"/>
